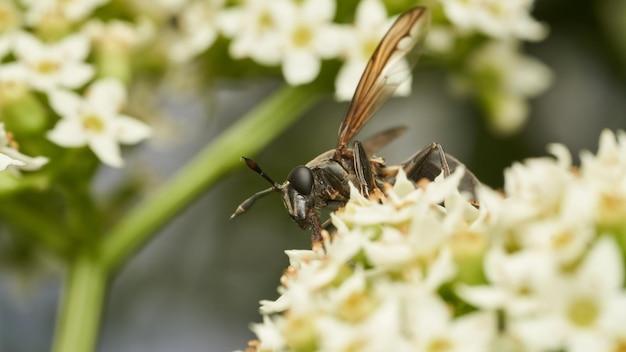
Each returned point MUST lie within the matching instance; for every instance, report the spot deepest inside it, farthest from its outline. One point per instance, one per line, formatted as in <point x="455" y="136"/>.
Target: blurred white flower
<point x="605" y="174"/>
<point x="295" y="34"/>
<point x="10" y="158"/>
<point x="95" y="121"/>
<point x="253" y="30"/>
<point x="440" y="39"/>
<point x="590" y="306"/>
<point x="495" y="18"/>
<point x="52" y="66"/>
<point x="360" y="40"/>
<point x="11" y="16"/>
<point x="121" y="34"/>
<point x="11" y="21"/>
<point x="504" y="80"/>
<point x="307" y="35"/>
<point x="196" y="25"/>
<point x="13" y="82"/>
<point x="5" y="45"/>
<point x="39" y="11"/>
<point x="435" y="329"/>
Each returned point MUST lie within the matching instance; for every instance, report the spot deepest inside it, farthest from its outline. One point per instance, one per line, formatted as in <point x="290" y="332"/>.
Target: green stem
<point x="80" y="310"/>
<point x="222" y="155"/>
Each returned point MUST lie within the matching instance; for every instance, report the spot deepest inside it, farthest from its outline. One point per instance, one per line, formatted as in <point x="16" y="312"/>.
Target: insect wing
<point x="386" y="70"/>
<point x="374" y="143"/>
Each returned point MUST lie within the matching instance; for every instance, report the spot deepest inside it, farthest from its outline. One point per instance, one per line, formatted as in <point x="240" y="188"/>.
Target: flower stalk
<point x="246" y="137"/>
<point x="81" y="305"/>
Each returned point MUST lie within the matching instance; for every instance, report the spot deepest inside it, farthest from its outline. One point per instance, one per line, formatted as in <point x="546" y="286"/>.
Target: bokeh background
<point x="196" y="286"/>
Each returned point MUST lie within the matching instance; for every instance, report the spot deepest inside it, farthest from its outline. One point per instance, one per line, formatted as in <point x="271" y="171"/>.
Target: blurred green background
<point x="196" y="287"/>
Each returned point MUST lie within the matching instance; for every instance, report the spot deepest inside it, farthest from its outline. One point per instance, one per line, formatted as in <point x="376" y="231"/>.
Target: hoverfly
<point x="324" y="181"/>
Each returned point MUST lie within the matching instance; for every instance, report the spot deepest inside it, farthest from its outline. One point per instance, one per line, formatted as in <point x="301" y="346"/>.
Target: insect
<point x="324" y="181"/>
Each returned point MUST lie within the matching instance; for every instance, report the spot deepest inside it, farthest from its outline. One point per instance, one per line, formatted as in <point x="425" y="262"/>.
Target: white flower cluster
<point x="541" y="265"/>
<point x="298" y="35"/>
<point x="56" y="47"/>
<point x="57" y="68"/>
<point x="501" y="78"/>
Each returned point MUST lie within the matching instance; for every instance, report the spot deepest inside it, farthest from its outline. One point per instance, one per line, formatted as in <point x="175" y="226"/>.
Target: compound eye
<point x="301" y="179"/>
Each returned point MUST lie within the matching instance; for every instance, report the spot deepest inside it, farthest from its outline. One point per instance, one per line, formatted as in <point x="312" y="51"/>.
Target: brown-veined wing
<point x="390" y="65"/>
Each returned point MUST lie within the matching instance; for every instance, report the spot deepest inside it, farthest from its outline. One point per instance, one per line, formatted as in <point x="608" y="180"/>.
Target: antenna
<point x="248" y="202"/>
<point x="256" y="168"/>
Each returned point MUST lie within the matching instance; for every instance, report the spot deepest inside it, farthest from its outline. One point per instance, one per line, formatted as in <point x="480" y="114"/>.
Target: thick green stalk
<point x="79" y="314"/>
<point x="222" y="155"/>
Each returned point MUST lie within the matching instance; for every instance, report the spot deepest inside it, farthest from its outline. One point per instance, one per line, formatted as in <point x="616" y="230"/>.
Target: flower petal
<point x="347" y="79"/>
<point x="107" y="150"/>
<point x="25" y="162"/>
<point x="75" y="75"/>
<point x="75" y="47"/>
<point x="6" y="161"/>
<point x="68" y="133"/>
<point x="65" y="103"/>
<point x="130" y="130"/>
<point x="106" y="96"/>
<point x="603" y="267"/>
<point x="300" y="67"/>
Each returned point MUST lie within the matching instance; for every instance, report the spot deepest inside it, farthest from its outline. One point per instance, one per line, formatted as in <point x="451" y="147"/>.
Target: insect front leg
<point x="363" y="170"/>
<point x="316" y="226"/>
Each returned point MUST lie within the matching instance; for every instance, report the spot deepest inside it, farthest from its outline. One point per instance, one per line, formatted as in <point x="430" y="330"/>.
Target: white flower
<point x="5" y="45"/>
<point x="116" y="33"/>
<point x="11" y="158"/>
<point x="505" y="79"/>
<point x="517" y="282"/>
<point x="197" y="29"/>
<point x="495" y="18"/>
<point x="95" y="121"/>
<point x="604" y="173"/>
<point x="51" y="66"/>
<point x="11" y="19"/>
<point x="307" y="35"/>
<point x="253" y="29"/>
<point x="10" y="23"/>
<point x="371" y="24"/>
<point x="585" y="310"/>
<point x="13" y="82"/>
<point x="434" y="328"/>
<point x="295" y="34"/>
<point x="269" y="335"/>
<point x="40" y="11"/>
<point x="554" y="266"/>
<point x="440" y="39"/>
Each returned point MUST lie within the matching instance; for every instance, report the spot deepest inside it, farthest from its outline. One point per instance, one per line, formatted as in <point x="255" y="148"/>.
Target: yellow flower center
<point x="440" y="345"/>
<point x="46" y="67"/>
<point x="563" y="239"/>
<point x="368" y="47"/>
<point x="583" y="312"/>
<point x="302" y="36"/>
<point x="93" y="123"/>
<point x="356" y="307"/>
<point x="8" y="17"/>
<point x="265" y="20"/>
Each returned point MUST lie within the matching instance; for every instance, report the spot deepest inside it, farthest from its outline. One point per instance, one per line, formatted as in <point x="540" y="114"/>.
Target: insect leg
<point x="421" y="166"/>
<point x="316" y="226"/>
<point x="363" y="170"/>
<point x="427" y="164"/>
